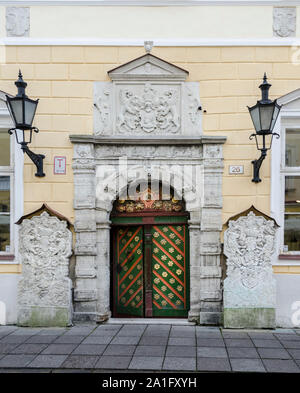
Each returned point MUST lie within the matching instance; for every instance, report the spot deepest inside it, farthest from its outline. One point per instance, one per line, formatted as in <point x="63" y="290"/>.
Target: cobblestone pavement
<point x="95" y="348"/>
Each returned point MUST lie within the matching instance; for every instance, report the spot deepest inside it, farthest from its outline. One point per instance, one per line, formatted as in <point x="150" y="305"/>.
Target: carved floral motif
<point x="45" y="246"/>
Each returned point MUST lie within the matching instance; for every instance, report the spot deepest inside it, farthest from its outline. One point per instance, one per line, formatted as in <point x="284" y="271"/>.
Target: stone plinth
<point x="44" y="292"/>
<point x="249" y="288"/>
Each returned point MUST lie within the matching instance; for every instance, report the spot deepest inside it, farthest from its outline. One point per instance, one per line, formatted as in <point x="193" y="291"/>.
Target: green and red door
<point x="150" y="269"/>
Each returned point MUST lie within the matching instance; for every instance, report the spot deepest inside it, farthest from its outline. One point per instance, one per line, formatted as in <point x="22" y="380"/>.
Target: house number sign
<point x="236" y="169"/>
<point x="60" y="165"/>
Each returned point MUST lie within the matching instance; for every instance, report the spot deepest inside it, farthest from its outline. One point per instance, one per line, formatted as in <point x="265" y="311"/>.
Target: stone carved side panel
<point x="284" y="21"/>
<point x="44" y="293"/>
<point x="17" y="21"/>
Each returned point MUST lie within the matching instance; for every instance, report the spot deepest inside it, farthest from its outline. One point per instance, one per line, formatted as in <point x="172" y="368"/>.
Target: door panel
<point x="169" y="270"/>
<point x="129" y="271"/>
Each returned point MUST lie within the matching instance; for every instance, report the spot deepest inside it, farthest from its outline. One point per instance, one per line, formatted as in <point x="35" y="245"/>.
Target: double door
<point x="150" y="271"/>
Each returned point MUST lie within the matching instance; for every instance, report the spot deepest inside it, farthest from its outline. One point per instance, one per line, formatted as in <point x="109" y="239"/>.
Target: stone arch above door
<point x="104" y="163"/>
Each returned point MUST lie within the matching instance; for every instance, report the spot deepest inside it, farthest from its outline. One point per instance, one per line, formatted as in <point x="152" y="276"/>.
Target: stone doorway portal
<point x="150" y="257"/>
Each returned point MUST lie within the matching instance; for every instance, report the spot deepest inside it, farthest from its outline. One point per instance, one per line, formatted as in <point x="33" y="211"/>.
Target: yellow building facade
<point x="225" y="48"/>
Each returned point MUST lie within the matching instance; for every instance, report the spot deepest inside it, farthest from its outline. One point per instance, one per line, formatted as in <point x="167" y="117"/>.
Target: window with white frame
<point x="291" y="180"/>
<point x="6" y="193"/>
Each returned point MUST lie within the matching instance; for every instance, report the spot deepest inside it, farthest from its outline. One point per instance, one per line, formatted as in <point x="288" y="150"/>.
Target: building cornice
<point x="149" y="3"/>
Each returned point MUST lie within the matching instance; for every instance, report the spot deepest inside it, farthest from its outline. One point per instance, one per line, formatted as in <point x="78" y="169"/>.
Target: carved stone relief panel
<point x="284" y="21"/>
<point x="44" y="293"/>
<point x="17" y="21"/>
<point x="249" y="244"/>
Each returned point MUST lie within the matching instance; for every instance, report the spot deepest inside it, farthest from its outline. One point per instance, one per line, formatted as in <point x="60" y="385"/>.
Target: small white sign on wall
<point x="236" y="169"/>
<point x="60" y="165"/>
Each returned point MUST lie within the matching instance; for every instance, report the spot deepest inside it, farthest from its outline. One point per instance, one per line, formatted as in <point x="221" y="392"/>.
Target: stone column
<point x="250" y="286"/>
<point x="44" y="292"/>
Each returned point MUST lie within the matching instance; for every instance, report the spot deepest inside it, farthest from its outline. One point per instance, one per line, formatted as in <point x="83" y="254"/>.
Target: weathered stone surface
<point x="44" y="293"/>
<point x="249" y="288"/>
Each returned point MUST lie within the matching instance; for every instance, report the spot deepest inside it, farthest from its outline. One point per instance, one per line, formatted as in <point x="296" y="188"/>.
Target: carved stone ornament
<point x="284" y="21"/>
<point x="17" y="21"/>
<point x="249" y="243"/>
<point x="147" y="96"/>
<point x="44" y="293"/>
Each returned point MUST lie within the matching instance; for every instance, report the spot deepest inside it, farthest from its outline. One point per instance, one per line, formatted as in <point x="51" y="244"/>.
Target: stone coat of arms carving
<point x="249" y="244"/>
<point x="284" y="21"/>
<point x="45" y="246"/>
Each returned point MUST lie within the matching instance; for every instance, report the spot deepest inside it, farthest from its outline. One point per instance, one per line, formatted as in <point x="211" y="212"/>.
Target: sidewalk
<point x="129" y="347"/>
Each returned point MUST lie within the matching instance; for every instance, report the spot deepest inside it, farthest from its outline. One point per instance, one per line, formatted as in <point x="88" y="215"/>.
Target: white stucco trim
<point x="27" y="41"/>
<point x="150" y="3"/>
<point x="277" y="162"/>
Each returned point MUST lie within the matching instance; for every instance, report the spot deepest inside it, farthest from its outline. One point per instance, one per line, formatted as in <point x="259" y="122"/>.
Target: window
<point x="291" y="181"/>
<point x="6" y="181"/>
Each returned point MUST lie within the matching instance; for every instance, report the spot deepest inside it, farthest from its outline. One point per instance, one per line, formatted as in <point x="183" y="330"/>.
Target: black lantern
<point x="22" y="110"/>
<point x="264" y="115"/>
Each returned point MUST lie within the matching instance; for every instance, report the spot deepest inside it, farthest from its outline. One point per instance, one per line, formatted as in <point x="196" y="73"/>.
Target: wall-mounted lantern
<point x="264" y="115"/>
<point x="22" y="110"/>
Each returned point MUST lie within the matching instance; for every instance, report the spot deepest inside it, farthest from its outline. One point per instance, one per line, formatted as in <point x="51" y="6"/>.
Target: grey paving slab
<point x="156" y="332"/>
<point x="208" y="334"/>
<point x="247" y="365"/>
<point x="241" y="343"/>
<point x="80" y="361"/>
<point x="14" y="339"/>
<point x="210" y="342"/>
<point x="97" y="340"/>
<point x="102" y="333"/>
<point x="182" y="341"/>
<point x="52" y="331"/>
<point x="213" y="364"/>
<point x="72" y="339"/>
<point x="182" y="331"/>
<point x="181" y="351"/>
<point x="59" y="349"/>
<point x="273" y="353"/>
<point x="267" y="343"/>
<point x="7" y="328"/>
<point x="150" y="350"/>
<point x="7" y="347"/>
<point x="132" y="330"/>
<point x="48" y="361"/>
<point x="287" y="337"/>
<point x="146" y="363"/>
<point x="179" y="364"/>
<point x="25" y="331"/>
<point x="281" y="366"/>
<point x="110" y="326"/>
<point x="261" y="336"/>
<point x="234" y="334"/>
<point x="295" y="353"/>
<point x="120" y="350"/>
<point x="243" y="353"/>
<point x="29" y="348"/>
<point x="80" y="331"/>
<point x="16" y="360"/>
<point x="291" y="344"/>
<point x="211" y="352"/>
<point x="41" y="339"/>
<point x="153" y="340"/>
<point x="113" y="362"/>
<point x="89" y="349"/>
<point x="158" y="327"/>
<point x="126" y="340"/>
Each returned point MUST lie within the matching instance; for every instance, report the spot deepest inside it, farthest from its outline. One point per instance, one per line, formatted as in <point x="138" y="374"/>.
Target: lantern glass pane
<point x="275" y="115"/>
<point x="17" y="109"/>
<point x="254" y="113"/>
<point x="29" y="112"/>
<point x="266" y="116"/>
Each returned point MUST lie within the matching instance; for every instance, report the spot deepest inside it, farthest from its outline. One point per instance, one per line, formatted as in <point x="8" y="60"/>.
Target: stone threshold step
<point x="149" y="321"/>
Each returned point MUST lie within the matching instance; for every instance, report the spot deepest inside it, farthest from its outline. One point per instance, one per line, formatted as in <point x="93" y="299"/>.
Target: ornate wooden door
<point x="128" y="271"/>
<point x="170" y="296"/>
<point x="151" y="271"/>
